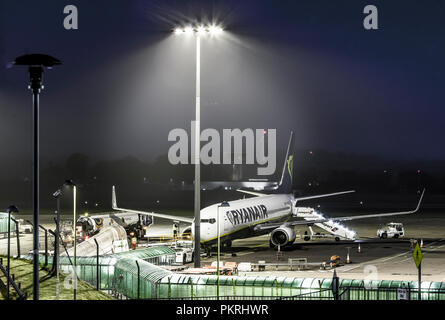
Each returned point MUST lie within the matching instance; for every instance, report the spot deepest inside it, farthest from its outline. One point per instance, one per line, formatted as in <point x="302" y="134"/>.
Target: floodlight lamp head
<point x="69" y="182"/>
<point x="188" y="30"/>
<point x="200" y="30"/>
<point x="215" y="30"/>
<point x="12" y="209"/>
<point x="57" y="194"/>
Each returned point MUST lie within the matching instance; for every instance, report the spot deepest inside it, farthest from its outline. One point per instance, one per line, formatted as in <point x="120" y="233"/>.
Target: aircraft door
<point x="226" y="223"/>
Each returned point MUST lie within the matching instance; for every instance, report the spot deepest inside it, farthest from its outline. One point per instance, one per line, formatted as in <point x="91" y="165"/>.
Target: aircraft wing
<point x="259" y="194"/>
<point x="268" y="226"/>
<point x="154" y="214"/>
<point x="323" y="195"/>
<point x="253" y="193"/>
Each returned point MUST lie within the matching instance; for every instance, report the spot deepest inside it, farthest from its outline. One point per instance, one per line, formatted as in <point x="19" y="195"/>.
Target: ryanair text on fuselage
<point x="249" y="214"/>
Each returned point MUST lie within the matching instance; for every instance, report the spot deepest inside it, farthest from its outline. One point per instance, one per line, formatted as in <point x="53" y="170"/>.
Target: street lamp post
<point x="9" y="210"/>
<point x="36" y="64"/>
<point x="56" y="261"/>
<point x="71" y="183"/>
<point x="17" y="231"/>
<point x="224" y="204"/>
<point x="198" y="31"/>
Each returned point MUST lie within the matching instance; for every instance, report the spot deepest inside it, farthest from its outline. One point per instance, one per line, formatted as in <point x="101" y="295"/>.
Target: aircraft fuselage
<point x="239" y="219"/>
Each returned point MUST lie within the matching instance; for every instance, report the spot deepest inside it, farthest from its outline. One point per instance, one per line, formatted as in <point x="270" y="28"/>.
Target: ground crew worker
<point x="134" y="241"/>
<point x="175" y="231"/>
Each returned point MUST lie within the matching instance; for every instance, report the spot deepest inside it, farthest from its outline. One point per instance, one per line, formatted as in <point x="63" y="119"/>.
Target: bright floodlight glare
<point x="188" y="30"/>
<point x="215" y="30"/>
<point x="201" y="30"/>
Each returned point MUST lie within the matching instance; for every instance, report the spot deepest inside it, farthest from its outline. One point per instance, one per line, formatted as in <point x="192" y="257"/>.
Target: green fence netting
<point x="4" y="223"/>
<point x="118" y="274"/>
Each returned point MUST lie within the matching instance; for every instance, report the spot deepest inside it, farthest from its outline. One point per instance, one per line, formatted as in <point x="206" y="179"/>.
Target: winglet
<point x="285" y="185"/>
<point x="113" y="198"/>
<point x="420" y="200"/>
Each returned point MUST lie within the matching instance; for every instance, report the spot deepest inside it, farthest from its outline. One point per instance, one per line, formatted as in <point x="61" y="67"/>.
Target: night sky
<point x="307" y="66"/>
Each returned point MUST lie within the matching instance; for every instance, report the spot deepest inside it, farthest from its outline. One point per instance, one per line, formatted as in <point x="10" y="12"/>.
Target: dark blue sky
<point x="307" y="66"/>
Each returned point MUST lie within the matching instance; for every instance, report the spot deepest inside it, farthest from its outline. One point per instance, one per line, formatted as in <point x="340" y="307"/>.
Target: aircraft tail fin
<point x="285" y="185"/>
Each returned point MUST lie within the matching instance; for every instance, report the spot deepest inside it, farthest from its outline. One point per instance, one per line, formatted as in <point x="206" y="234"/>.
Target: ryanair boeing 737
<point x="275" y="214"/>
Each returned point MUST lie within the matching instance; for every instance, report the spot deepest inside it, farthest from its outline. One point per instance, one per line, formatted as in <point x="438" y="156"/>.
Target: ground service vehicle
<point x="391" y="230"/>
<point x="184" y="251"/>
<point x="24" y="227"/>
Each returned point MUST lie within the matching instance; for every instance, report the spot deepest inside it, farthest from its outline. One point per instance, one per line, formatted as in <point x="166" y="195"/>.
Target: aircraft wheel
<point x="307" y="238"/>
<point x="228" y="243"/>
<point x="384" y="235"/>
<point x="337" y="239"/>
<point x="396" y="236"/>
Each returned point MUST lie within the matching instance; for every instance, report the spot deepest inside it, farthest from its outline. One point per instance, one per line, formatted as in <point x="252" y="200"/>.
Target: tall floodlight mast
<point x="198" y="32"/>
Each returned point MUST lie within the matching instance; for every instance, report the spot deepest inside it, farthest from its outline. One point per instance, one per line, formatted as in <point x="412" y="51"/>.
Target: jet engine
<point x="188" y="232"/>
<point x="282" y="236"/>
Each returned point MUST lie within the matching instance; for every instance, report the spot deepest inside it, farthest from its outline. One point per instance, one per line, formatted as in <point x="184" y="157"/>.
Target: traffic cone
<point x="359" y="249"/>
<point x="421" y="243"/>
<point x="347" y="259"/>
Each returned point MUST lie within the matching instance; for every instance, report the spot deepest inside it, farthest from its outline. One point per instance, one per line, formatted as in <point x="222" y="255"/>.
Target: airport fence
<point x="134" y="275"/>
<point x="182" y="287"/>
<point x="4" y="225"/>
<point x="102" y="269"/>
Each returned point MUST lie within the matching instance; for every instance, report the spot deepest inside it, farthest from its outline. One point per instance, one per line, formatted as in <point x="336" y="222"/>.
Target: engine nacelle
<point x="188" y="232"/>
<point x="282" y="236"/>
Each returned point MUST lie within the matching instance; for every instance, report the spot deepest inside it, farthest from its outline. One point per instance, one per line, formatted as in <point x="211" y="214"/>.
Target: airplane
<point x="89" y="225"/>
<point x="266" y="214"/>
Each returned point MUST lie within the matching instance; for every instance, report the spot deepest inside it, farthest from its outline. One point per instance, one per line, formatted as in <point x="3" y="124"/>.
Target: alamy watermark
<point x="371" y="277"/>
<point x="210" y="153"/>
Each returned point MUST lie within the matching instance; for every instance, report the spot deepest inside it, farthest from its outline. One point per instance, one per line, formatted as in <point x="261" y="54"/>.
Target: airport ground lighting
<point x="198" y="32"/>
<point x="224" y="204"/>
<point x="11" y="209"/>
<point x="36" y="64"/>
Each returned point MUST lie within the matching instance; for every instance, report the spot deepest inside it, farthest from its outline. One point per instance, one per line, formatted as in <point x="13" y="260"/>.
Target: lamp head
<point x="57" y="194"/>
<point x="12" y="209"/>
<point x="69" y="182"/>
<point x="213" y="30"/>
<point x="37" y="60"/>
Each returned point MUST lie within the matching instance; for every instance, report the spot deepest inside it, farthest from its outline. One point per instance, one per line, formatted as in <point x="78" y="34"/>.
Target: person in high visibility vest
<point x="175" y="231"/>
<point x="134" y="241"/>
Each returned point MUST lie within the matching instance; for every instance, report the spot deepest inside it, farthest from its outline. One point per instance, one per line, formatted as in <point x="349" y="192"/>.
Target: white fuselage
<point x="239" y="219"/>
